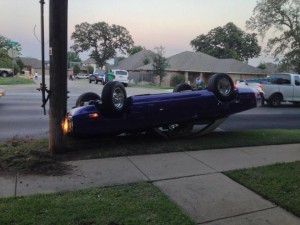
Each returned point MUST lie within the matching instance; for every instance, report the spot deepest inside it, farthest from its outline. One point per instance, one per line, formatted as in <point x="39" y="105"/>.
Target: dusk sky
<point x="151" y="23"/>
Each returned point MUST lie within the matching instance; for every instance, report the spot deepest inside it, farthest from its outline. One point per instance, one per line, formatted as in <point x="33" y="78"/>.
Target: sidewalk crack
<point x="148" y="178"/>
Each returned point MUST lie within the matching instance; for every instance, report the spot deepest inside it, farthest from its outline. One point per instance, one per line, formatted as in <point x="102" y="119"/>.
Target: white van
<point x="121" y="76"/>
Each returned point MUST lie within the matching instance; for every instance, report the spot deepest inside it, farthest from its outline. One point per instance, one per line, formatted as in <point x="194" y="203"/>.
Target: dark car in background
<point x="98" y="77"/>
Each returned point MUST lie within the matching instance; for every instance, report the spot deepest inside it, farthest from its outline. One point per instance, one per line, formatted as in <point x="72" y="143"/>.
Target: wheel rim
<point x="224" y="87"/>
<point x="118" y="98"/>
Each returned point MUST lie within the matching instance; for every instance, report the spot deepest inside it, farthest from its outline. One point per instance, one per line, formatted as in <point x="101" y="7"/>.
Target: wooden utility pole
<point x="58" y="73"/>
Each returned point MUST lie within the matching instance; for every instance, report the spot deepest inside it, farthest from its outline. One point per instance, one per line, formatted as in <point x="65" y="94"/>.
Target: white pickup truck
<point x="282" y="87"/>
<point x="5" y="72"/>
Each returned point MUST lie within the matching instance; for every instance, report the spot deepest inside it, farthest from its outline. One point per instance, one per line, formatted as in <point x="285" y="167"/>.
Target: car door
<point x="296" y="97"/>
<point x="285" y="86"/>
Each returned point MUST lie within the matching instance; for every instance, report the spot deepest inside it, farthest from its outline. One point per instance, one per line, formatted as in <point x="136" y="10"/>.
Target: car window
<point x="121" y="72"/>
<point x="297" y="80"/>
<point x="281" y="79"/>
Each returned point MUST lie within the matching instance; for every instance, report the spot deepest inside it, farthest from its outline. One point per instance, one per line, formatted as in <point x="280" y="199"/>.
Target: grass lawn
<point x="150" y="85"/>
<point x="279" y="183"/>
<point x="15" y="80"/>
<point x="136" y="145"/>
<point x="31" y="155"/>
<point x="127" y="204"/>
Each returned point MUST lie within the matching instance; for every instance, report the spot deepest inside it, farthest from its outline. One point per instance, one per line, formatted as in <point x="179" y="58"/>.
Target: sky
<point x="171" y="24"/>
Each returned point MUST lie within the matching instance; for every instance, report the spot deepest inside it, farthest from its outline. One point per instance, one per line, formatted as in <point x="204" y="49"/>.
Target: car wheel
<point x="275" y="100"/>
<point x="182" y="87"/>
<point x="96" y="82"/>
<point x="4" y="74"/>
<point x="114" y="98"/>
<point x="222" y="86"/>
<point x="86" y="97"/>
<point x="90" y="81"/>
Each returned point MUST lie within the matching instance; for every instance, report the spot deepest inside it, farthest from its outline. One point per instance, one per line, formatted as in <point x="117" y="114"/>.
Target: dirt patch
<point x="29" y="156"/>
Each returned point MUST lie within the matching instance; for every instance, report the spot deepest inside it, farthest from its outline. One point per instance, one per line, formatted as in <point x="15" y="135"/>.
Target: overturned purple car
<point x="184" y="112"/>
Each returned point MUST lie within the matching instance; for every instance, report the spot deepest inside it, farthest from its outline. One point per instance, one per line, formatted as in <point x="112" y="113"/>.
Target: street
<point x="21" y="113"/>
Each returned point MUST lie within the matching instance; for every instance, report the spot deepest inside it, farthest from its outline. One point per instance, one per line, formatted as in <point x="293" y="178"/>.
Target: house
<point x="192" y="64"/>
<point x="137" y="60"/>
<point x="89" y="62"/>
<point x="32" y="65"/>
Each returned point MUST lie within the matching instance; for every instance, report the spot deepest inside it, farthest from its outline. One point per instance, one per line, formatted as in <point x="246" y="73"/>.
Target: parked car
<point x="6" y="72"/>
<point x="121" y="76"/>
<point x="170" y="114"/>
<point x="2" y="92"/>
<point x="282" y="87"/>
<point x="97" y="77"/>
<point x="82" y="76"/>
<point x="118" y="75"/>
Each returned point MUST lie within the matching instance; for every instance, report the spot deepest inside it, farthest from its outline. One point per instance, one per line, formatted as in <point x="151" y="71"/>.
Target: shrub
<point x="177" y="79"/>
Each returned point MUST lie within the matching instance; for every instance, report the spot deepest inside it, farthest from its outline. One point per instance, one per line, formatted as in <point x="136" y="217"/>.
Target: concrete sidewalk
<point x="193" y="180"/>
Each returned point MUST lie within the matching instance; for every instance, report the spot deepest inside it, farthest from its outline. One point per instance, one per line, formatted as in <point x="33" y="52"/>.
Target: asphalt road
<point x="287" y="116"/>
<point x="21" y="113"/>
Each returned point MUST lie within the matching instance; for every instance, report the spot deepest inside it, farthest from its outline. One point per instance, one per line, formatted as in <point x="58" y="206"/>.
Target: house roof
<point x="89" y="61"/>
<point x="200" y="62"/>
<point x="33" y="62"/>
<point x="135" y="61"/>
<point x="235" y="66"/>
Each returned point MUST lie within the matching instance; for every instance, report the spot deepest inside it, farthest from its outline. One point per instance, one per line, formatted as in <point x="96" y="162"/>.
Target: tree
<point x="135" y="49"/>
<point x="76" y="69"/>
<point x="228" y="42"/>
<point x="72" y="57"/>
<point x="90" y="69"/>
<point x="160" y="63"/>
<point x="262" y="65"/>
<point x="20" y="64"/>
<point x="5" y="45"/>
<point x="284" y="17"/>
<point x="5" y="60"/>
<point x="102" y="39"/>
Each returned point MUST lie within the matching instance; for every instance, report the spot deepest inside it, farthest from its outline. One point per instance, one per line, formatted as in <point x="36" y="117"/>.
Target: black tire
<point x="90" y="81"/>
<point x="275" y="100"/>
<point x="96" y="82"/>
<point x="114" y="98"/>
<point x="86" y="97"/>
<point x="182" y="87"/>
<point x="222" y="86"/>
<point x="4" y="74"/>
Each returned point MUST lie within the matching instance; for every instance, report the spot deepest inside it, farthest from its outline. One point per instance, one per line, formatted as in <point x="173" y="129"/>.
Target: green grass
<point x="15" y="80"/>
<point x="135" y="145"/>
<point x="31" y="155"/>
<point x="127" y="204"/>
<point x="150" y="85"/>
<point x="279" y="183"/>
